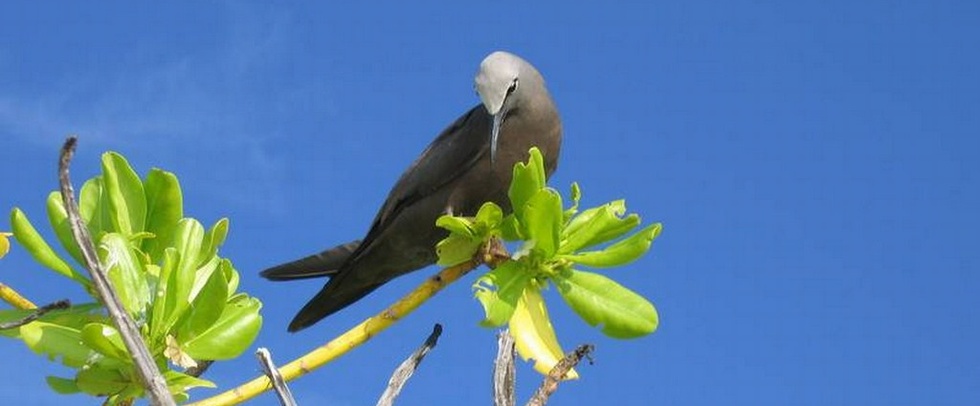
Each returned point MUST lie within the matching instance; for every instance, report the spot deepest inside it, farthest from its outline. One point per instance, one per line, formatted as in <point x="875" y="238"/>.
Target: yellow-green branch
<point x="9" y="295"/>
<point x="352" y="338"/>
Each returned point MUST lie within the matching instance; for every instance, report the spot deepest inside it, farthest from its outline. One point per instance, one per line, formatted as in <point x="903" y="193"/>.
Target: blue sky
<point x="814" y="165"/>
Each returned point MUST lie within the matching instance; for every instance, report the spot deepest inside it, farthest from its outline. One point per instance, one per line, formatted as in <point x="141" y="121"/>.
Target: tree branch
<point x="38" y="312"/>
<point x="9" y="295"/>
<point x="550" y="384"/>
<point x="504" y="372"/>
<point x="352" y="338"/>
<point x="271" y="372"/>
<point x="408" y="367"/>
<point x="146" y="368"/>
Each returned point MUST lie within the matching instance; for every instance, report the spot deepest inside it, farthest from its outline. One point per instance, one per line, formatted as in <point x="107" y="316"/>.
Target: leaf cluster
<point x="557" y="243"/>
<point x="167" y="272"/>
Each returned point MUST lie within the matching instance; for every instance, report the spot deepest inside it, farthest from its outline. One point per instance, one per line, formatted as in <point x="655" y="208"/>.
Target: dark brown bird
<point x="469" y="163"/>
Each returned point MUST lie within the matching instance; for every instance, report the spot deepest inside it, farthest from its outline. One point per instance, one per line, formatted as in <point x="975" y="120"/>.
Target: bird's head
<point x="501" y="84"/>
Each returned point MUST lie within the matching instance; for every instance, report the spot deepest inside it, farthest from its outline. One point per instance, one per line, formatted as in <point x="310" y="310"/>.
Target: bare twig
<point x="504" y="373"/>
<point x="550" y="384"/>
<point x="265" y="359"/>
<point x="200" y="369"/>
<point x="146" y="368"/>
<point x="408" y="367"/>
<point x="59" y="305"/>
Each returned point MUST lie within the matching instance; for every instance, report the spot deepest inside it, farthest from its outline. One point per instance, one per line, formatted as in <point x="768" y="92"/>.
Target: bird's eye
<point x="513" y="86"/>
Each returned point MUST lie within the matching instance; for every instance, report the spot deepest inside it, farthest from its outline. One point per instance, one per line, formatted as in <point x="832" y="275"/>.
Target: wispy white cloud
<point x="203" y="99"/>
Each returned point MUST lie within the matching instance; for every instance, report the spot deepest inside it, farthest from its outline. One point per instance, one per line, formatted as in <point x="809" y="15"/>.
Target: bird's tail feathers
<point x="333" y="297"/>
<point x="326" y="263"/>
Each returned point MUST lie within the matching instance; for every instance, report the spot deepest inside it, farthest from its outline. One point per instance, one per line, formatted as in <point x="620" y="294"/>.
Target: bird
<point x="469" y="163"/>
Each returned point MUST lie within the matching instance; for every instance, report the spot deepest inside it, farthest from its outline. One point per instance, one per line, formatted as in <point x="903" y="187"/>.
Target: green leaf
<point x="93" y="207"/>
<point x="620" y="253"/>
<point x="213" y="239"/>
<point x="499" y="290"/>
<point x="231" y="334"/>
<point x="456" y="225"/>
<point x="164" y="299"/>
<point x="58" y="218"/>
<point x="127" y="200"/>
<point x="62" y="386"/>
<point x="510" y="229"/>
<point x="488" y="218"/>
<point x="528" y="179"/>
<point x="542" y="219"/>
<point x="182" y="277"/>
<point x="100" y="381"/>
<point x="600" y="301"/>
<point x="106" y="340"/>
<point x="178" y="382"/>
<point x="74" y="317"/>
<point x="603" y="224"/>
<point x="125" y="271"/>
<point x="56" y="342"/>
<point x="231" y="275"/>
<point x="456" y="249"/>
<point x="28" y="237"/>
<point x="207" y="306"/>
<point x="164" y="208"/>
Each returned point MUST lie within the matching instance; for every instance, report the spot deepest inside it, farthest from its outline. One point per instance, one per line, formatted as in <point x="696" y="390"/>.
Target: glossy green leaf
<point x="510" y="229"/>
<point x="600" y="301"/>
<point x="58" y="218"/>
<point x="125" y="271"/>
<point x="604" y="224"/>
<point x="579" y="220"/>
<point x="127" y="200"/>
<point x="202" y="275"/>
<point x="164" y="299"/>
<point x="499" y="290"/>
<point x="96" y="380"/>
<point x="28" y="237"/>
<point x="528" y="179"/>
<point x="231" y="334"/>
<point x="456" y="249"/>
<point x="542" y="219"/>
<point x="62" y="386"/>
<point x="620" y="253"/>
<point x="231" y="275"/>
<point x="56" y="342"/>
<point x="456" y="225"/>
<point x="188" y="239"/>
<point x="106" y="340"/>
<point x="488" y="218"/>
<point x="179" y="382"/>
<point x="74" y="317"/>
<point x="213" y="239"/>
<point x="164" y="208"/>
<point x="206" y="307"/>
<point x="93" y="207"/>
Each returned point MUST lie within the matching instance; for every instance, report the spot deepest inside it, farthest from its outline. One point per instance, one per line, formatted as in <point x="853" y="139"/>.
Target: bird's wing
<point x="449" y="156"/>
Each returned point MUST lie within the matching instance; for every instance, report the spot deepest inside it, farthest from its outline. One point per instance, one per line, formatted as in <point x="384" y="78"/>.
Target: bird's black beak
<point x="494" y="133"/>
